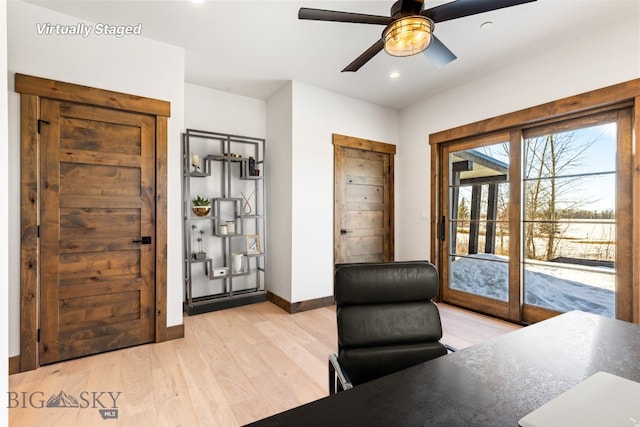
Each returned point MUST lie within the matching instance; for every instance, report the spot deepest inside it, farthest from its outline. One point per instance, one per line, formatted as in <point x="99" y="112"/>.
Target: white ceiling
<point x="253" y="47"/>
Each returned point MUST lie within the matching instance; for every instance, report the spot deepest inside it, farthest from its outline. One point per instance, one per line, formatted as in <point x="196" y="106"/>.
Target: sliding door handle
<point x="343" y="231"/>
<point x="145" y="240"/>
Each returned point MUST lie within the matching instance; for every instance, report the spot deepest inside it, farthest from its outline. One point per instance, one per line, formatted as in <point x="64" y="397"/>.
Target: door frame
<point x="31" y="89"/>
<point x="626" y="94"/>
<point x="365" y="145"/>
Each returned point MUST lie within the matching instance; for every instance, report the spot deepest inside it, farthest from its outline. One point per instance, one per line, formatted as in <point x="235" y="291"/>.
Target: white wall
<point x="279" y="185"/>
<point x="317" y="114"/>
<point x="602" y="58"/>
<point x="4" y="217"/>
<point x="134" y="65"/>
<point x="217" y="111"/>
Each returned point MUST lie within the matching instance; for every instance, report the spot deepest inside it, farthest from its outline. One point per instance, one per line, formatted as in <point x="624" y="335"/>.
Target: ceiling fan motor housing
<point x="406" y="8"/>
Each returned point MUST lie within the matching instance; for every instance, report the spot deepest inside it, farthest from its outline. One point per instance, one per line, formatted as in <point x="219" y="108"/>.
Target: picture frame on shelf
<point x="252" y="244"/>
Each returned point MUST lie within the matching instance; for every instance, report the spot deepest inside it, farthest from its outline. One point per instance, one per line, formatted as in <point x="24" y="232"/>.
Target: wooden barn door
<point x="363" y="190"/>
<point x="97" y="219"/>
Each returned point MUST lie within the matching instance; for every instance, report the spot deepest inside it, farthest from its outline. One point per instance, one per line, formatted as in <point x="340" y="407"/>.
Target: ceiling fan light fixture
<point x="408" y="35"/>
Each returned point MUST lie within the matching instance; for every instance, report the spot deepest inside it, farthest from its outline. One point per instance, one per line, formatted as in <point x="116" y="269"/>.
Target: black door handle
<point x="343" y="231"/>
<point x="145" y="240"/>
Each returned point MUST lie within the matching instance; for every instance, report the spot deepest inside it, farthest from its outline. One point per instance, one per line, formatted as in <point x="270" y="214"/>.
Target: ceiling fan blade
<point x="438" y="53"/>
<point x="336" y="16"/>
<point x="462" y="8"/>
<point x="365" y="57"/>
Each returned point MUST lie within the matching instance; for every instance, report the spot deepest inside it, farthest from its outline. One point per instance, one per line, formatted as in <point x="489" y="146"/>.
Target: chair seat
<point x="366" y="364"/>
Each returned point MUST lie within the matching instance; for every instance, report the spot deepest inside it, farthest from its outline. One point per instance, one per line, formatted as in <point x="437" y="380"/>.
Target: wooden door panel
<point x="98" y="310"/>
<point x="98" y="339"/>
<point x="103" y="263"/>
<point x="83" y="134"/>
<point x="363" y="193"/>
<point x="365" y="219"/>
<point x="92" y="179"/>
<point x="98" y="182"/>
<point x="363" y="245"/>
<point x="366" y="165"/>
<point x="85" y="224"/>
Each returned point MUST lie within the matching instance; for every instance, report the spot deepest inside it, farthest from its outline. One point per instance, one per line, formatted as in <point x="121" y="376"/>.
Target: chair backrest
<point x="386" y="318"/>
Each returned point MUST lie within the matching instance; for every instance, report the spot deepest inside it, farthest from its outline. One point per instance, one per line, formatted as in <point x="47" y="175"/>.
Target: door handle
<point x="343" y="231"/>
<point x="145" y="240"/>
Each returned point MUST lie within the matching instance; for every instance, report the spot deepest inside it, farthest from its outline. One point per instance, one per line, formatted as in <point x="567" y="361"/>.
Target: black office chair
<point x="387" y="320"/>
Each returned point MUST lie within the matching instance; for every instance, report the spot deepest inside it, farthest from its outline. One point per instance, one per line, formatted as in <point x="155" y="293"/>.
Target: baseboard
<point x="175" y="332"/>
<point x="14" y="365"/>
<point x="300" y="306"/>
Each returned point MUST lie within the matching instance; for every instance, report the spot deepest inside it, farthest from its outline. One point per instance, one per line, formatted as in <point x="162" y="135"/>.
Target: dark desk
<point x="491" y="384"/>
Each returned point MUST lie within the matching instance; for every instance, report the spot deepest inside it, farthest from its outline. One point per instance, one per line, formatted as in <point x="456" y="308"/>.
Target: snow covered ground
<point x="562" y="287"/>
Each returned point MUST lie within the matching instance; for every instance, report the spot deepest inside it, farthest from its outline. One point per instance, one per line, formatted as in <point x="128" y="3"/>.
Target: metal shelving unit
<point x="226" y="176"/>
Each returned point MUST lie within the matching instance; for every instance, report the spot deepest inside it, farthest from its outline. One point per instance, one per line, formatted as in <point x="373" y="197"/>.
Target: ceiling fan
<point x="409" y="29"/>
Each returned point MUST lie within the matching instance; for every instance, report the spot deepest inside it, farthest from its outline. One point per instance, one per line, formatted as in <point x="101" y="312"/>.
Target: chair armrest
<point x="450" y="348"/>
<point x="336" y="371"/>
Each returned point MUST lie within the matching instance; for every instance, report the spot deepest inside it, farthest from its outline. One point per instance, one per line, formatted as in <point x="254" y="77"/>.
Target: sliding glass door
<point x="477" y="224"/>
<point x="569" y="216"/>
<point x="533" y="220"/>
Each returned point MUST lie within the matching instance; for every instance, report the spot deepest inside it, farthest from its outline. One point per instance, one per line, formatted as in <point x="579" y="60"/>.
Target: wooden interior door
<point x="97" y="222"/>
<point x="363" y="200"/>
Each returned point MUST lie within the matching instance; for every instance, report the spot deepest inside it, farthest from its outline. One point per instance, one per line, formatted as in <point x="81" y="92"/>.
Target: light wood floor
<point x="233" y="367"/>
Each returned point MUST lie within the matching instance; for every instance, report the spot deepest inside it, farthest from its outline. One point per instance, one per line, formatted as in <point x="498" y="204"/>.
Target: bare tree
<point x="548" y="159"/>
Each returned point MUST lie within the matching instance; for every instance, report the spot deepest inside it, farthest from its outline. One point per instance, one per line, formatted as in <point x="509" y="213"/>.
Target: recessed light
<point x="394" y="75"/>
<point x="486" y="25"/>
<point x="198" y="1"/>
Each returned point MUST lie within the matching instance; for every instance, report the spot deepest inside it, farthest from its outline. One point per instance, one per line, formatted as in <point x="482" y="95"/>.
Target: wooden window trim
<point x="561" y="109"/>
<point x="32" y="89"/>
<point x="626" y="94"/>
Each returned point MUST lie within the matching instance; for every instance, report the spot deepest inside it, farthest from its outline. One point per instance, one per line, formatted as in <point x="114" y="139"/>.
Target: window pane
<point x="479" y="194"/>
<point x="569" y="233"/>
<point x="486" y="275"/>
<point x="479" y="237"/>
<point x="577" y="152"/>
<point x="483" y="164"/>
<point x="565" y="287"/>
<point x="584" y="197"/>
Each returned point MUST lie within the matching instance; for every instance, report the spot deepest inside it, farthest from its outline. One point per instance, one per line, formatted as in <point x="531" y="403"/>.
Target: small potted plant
<point x="201" y="206"/>
<point x="200" y="254"/>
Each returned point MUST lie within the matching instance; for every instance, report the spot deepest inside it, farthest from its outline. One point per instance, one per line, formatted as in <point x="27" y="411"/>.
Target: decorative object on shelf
<point x="256" y="172"/>
<point x="252" y="243"/>
<point x="195" y="162"/>
<point x="222" y="229"/>
<point x="247" y="207"/>
<point x="220" y="271"/>
<point x="200" y="254"/>
<point x="201" y="206"/>
<point x="252" y="166"/>
<point x="237" y="263"/>
<point x="231" y="227"/>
